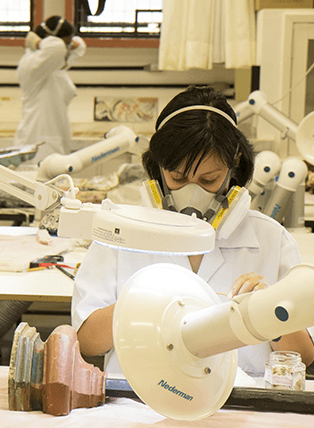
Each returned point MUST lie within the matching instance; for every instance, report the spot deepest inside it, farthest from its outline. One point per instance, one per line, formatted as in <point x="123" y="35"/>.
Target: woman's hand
<point x="32" y="41"/>
<point x="247" y="283"/>
<point x="299" y="341"/>
<point x="74" y="45"/>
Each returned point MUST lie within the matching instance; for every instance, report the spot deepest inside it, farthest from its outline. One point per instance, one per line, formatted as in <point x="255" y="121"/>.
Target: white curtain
<point x="199" y="33"/>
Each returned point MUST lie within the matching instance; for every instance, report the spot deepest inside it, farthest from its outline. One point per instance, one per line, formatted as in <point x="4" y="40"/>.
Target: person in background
<point x="196" y="154"/>
<point x="47" y="89"/>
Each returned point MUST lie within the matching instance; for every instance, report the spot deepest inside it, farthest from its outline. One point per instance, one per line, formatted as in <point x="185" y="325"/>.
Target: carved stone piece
<point x="52" y="376"/>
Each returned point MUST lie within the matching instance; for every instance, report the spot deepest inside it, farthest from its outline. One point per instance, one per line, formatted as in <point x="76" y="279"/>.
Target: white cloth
<point x="128" y="413"/>
<point x="47" y="92"/>
<point x="199" y="33"/>
<point x="259" y="244"/>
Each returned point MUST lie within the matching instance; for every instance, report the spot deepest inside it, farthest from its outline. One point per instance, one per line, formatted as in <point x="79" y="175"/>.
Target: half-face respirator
<point x="223" y="212"/>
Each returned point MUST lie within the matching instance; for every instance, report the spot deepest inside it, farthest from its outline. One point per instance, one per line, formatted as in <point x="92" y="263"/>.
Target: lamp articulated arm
<point x="45" y="196"/>
<point x="40" y="195"/>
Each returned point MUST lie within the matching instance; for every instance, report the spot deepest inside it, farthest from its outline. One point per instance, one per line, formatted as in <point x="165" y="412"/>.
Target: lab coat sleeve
<point x="95" y="283"/>
<point x="41" y="63"/>
<point x="76" y="53"/>
<point x="290" y="254"/>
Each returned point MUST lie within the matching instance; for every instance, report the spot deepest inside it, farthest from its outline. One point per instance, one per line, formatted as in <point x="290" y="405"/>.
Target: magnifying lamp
<point x="138" y="228"/>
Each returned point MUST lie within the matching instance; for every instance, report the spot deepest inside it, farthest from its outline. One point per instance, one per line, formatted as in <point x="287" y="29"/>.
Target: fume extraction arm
<point x="117" y="141"/>
<point x="302" y="134"/>
<point x="177" y="346"/>
<point x="274" y="200"/>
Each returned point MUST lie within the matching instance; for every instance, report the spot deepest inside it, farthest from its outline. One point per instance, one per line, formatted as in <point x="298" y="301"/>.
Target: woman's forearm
<point x="299" y="341"/>
<point x="95" y="334"/>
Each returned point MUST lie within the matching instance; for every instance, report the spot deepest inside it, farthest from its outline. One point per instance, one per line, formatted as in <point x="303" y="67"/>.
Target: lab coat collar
<point x="243" y="236"/>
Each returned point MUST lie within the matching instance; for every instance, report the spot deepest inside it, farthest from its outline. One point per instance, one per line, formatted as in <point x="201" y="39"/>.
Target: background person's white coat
<point x="47" y="92"/>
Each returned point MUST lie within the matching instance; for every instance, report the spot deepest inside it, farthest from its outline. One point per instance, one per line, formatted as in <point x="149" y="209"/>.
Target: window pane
<point x="15" y="16"/>
<point x="135" y="18"/>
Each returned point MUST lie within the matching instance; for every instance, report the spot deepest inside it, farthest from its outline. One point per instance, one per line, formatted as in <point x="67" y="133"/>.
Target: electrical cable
<point x="293" y="87"/>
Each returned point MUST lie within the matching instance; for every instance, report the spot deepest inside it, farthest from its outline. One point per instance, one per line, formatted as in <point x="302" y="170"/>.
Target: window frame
<point x="81" y="17"/>
<point x="19" y="34"/>
<point x="96" y="42"/>
<point x="36" y="19"/>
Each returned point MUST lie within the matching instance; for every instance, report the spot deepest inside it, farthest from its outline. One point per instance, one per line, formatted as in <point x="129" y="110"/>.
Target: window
<point x="16" y="17"/>
<point x="121" y="19"/>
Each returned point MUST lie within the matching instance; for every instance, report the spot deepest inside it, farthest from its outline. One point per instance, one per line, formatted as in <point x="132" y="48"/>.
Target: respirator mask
<point x="223" y="211"/>
<point x="192" y="198"/>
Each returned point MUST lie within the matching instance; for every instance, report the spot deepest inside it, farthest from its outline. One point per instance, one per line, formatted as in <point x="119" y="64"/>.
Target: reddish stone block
<point x="52" y="376"/>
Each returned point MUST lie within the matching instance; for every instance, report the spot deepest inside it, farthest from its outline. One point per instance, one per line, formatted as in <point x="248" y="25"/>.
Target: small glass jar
<point x="285" y="370"/>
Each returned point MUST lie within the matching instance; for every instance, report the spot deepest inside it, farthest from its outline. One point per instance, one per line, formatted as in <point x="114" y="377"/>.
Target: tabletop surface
<point x="45" y="285"/>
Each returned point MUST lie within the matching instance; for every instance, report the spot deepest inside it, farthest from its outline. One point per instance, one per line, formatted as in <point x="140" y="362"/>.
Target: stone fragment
<point x="52" y="376"/>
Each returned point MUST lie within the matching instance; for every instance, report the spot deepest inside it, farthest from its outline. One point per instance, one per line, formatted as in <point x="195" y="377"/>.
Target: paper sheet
<point x="16" y="252"/>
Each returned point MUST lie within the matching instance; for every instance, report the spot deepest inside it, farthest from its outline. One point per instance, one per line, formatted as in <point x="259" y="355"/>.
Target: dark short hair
<point x="66" y="28"/>
<point x="198" y="132"/>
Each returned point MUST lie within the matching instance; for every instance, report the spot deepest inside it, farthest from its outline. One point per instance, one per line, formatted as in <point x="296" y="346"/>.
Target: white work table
<point x="49" y="285"/>
<point x="54" y="286"/>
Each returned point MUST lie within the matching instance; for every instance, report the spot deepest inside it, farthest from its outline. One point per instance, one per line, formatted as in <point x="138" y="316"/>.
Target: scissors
<point x="46" y="261"/>
<point x="51" y="261"/>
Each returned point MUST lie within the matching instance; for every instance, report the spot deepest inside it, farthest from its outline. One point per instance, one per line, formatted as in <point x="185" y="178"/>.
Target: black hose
<point x="10" y="313"/>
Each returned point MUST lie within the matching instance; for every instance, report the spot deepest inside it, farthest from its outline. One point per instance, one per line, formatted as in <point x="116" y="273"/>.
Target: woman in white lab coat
<point x="47" y="89"/>
<point x="196" y="154"/>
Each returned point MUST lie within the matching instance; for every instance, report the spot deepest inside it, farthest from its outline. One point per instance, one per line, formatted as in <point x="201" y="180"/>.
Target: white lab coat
<point x="47" y="92"/>
<point x="259" y="244"/>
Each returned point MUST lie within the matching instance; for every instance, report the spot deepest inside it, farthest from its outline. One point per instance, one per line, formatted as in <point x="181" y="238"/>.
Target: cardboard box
<point x="278" y="4"/>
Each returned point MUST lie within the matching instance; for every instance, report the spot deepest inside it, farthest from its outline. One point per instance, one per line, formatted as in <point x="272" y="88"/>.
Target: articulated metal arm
<point x="44" y="196"/>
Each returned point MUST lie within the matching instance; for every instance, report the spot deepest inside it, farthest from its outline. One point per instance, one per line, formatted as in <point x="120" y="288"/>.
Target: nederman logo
<point x="103" y="155"/>
<point x="173" y="389"/>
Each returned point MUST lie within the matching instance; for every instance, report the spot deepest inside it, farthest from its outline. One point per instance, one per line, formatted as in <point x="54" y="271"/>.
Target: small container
<point x="285" y="370"/>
